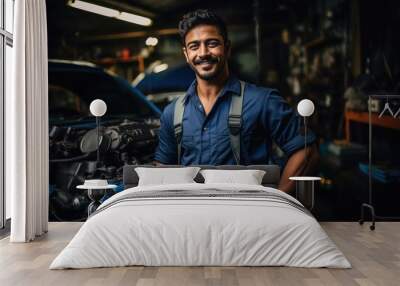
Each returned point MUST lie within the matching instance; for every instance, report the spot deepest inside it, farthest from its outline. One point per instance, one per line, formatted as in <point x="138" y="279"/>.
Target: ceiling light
<point x="136" y="19"/>
<point x="104" y="11"/>
<point x="151" y="41"/>
<point x="108" y="12"/>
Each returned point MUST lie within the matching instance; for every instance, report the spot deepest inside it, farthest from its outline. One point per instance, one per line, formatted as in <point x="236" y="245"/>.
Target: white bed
<point x="225" y="225"/>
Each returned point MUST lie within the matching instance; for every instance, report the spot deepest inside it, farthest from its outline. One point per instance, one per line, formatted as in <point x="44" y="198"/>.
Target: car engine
<point x="73" y="158"/>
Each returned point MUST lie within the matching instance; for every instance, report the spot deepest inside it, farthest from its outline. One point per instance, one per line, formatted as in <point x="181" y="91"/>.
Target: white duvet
<point x="183" y="231"/>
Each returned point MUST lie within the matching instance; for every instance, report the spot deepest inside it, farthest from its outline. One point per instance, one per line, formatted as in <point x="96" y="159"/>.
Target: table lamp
<point x="98" y="108"/>
<point x="305" y="108"/>
<point x="305" y="184"/>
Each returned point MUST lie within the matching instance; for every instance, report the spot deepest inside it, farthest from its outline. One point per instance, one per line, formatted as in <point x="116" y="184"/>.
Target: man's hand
<point x="300" y="163"/>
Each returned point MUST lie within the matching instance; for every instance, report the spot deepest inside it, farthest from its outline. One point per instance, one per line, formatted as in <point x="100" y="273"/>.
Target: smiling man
<point x="224" y="121"/>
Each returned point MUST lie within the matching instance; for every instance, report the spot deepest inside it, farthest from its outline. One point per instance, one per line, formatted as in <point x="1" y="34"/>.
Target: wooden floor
<point x="375" y="256"/>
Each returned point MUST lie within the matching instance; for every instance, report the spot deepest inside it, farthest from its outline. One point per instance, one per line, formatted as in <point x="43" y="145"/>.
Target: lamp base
<point x="372" y="209"/>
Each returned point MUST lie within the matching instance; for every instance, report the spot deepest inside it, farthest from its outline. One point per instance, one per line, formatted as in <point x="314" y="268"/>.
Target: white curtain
<point x="27" y="167"/>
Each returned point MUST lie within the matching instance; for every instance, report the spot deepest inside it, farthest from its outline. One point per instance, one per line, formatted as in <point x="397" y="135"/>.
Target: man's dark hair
<point x="201" y="17"/>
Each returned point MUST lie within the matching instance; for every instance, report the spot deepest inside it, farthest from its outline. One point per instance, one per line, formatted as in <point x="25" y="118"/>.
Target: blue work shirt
<point x="266" y="117"/>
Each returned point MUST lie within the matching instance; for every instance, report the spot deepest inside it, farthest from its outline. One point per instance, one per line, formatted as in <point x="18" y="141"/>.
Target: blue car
<point x="74" y="85"/>
<point x="163" y="87"/>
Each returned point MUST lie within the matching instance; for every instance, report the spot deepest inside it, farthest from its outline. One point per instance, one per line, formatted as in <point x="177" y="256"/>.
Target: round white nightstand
<point x="305" y="190"/>
<point x="95" y="194"/>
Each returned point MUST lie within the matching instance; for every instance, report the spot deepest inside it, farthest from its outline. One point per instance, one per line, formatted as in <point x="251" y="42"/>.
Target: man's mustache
<point x="210" y="59"/>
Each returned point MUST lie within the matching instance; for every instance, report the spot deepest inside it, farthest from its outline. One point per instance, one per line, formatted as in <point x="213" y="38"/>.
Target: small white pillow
<point x="248" y="177"/>
<point x="166" y="176"/>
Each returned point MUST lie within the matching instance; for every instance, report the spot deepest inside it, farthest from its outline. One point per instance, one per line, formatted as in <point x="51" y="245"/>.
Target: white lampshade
<point x="98" y="107"/>
<point x="305" y="107"/>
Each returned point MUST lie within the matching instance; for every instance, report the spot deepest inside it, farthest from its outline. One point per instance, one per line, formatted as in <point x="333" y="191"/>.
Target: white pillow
<point x="165" y="176"/>
<point x="248" y="177"/>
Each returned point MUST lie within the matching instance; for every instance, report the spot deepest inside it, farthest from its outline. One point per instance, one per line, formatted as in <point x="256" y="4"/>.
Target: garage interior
<point x="333" y="52"/>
